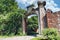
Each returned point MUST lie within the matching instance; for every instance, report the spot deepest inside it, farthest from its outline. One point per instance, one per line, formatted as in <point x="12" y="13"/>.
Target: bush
<point x="51" y="33"/>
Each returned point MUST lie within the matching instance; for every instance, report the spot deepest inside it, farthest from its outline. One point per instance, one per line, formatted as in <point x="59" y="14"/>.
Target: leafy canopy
<point x="10" y="18"/>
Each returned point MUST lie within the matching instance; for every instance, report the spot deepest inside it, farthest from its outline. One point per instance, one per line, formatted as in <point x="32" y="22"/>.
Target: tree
<point x="8" y="6"/>
<point x="10" y="18"/>
<point x="32" y="25"/>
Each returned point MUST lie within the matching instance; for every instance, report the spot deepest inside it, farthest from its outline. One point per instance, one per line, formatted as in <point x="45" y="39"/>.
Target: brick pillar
<point x="41" y="14"/>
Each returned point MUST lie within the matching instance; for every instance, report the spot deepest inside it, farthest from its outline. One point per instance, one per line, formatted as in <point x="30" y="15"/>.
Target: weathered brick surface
<point x="53" y="19"/>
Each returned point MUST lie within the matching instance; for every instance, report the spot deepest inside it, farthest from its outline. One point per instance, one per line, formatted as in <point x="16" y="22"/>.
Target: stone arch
<point x="41" y="14"/>
<point x="24" y="19"/>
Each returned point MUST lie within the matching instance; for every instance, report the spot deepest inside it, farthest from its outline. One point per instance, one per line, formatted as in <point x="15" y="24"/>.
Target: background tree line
<point x="11" y="18"/>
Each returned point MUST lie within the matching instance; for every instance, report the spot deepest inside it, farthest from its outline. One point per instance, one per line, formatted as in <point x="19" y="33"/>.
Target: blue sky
<point x="54" y="5"/>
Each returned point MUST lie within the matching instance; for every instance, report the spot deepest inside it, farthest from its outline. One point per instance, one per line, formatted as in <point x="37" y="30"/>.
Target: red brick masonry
<point x="53" y="19"/>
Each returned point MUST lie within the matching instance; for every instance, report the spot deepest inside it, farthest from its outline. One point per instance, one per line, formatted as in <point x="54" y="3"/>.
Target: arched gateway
<point x="41" y="16"/>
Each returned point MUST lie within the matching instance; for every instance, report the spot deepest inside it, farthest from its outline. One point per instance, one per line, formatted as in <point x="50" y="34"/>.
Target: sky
<point x="54" y="5"/>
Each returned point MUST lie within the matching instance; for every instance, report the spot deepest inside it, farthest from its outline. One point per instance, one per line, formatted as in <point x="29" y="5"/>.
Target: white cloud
<point x="50" y="4"/>
<point x="26" y="2"/>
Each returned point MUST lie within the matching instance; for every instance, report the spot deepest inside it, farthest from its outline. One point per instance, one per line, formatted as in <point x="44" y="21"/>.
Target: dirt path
<point x="18" y="38"/>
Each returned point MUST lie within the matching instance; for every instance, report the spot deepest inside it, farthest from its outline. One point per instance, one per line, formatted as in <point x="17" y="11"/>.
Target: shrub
<point x="51" y="33"/>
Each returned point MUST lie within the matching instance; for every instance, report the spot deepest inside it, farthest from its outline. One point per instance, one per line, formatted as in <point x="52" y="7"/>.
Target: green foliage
<point x="51" y="34"/>
<point x="8" y="6"/>
<point x="58" y="37"/>
<point x="11" y="24"/>
<point x="32" y="25"/>
<point x="10" y="18"/>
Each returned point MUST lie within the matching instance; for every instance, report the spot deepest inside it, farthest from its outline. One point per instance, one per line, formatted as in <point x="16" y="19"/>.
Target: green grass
<point x="36" y="38"/>
<point x="4" y="36"/>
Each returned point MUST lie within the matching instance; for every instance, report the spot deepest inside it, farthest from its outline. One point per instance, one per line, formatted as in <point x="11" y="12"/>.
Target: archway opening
<point x="32" y="25"/>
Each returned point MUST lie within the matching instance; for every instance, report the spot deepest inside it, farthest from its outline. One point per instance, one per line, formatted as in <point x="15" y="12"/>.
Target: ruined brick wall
<point x="53" y="20"/>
